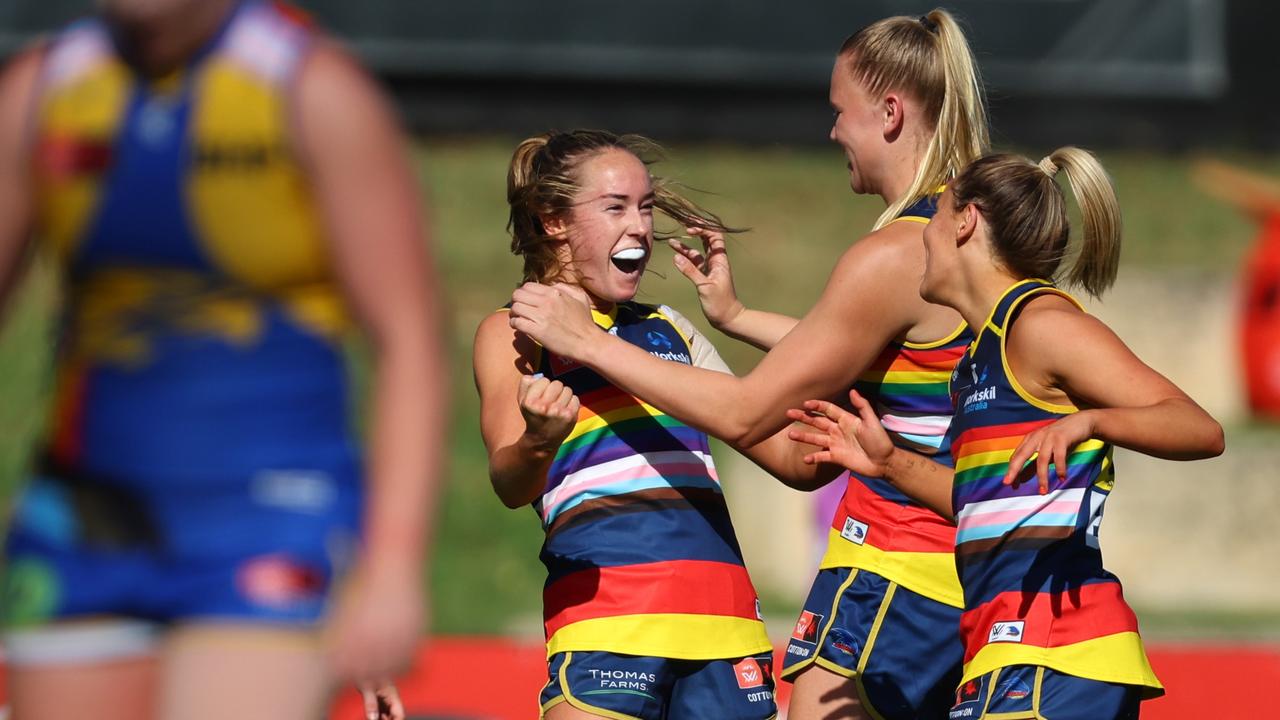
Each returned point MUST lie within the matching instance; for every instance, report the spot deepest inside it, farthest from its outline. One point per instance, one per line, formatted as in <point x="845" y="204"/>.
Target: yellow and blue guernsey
<point x="640" y="554"/>
<point x="200" y="366"/>
<point x="877" y="528"/>
<point x="1035" y="589"/>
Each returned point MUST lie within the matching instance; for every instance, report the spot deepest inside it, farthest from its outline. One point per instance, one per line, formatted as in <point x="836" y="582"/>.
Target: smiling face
<point x="608" y="232"/>
<point x="857" y="127"/>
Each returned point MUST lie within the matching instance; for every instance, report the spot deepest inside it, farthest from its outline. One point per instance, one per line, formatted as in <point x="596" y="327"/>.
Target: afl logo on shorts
<point x="807" y="627"/>
<point x="749" y="673"/>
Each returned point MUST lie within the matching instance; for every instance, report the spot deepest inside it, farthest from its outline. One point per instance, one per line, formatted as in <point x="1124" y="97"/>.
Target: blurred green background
<point x="486" y="577"/>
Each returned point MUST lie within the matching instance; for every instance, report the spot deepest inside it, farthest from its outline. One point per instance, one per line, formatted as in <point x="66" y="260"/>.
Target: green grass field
<point x="486" y="576"/>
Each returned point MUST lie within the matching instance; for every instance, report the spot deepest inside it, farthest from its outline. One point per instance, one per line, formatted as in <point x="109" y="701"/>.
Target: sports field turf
<point x="486" y="575"/>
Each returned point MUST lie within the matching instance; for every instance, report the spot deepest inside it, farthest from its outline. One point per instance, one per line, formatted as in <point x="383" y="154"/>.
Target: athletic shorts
<point x="901" y="649"/>
<point x="265" y="548"/>
<point x="1038" y="693"/>
<point x="627" y="687"/>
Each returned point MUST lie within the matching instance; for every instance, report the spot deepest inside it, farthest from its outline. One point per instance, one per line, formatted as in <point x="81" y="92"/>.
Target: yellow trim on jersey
<point x="1100" y="658"/>
<point x="910" y="218"/>
<point x="579" y="704"/>
<point x="932" y="575"/>
<point x="936" y="343"/>
<point x="666" y="635"/>
<point x="986" y="324"/>
<point x="1004" y="358"/>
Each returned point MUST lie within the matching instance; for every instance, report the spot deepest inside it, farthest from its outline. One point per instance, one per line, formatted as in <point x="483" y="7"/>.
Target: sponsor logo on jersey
<point x="1006" y="632"/>
<point x="66" y="157"/>
<point x="854" y="531"/>
<point x="968" y="700"/>
<point x="657" y="340"/>
<point x="278" y="582"/>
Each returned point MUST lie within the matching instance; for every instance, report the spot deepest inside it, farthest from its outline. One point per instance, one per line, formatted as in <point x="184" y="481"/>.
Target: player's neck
<point x="159" y="44"/>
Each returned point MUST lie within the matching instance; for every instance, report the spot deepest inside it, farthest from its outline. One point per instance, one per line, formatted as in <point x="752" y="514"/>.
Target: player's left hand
<point x="1047" y="445"/>
<point x="377" y="625"/>
<point x="381" y="701"/>
<point x="558" y="317"/>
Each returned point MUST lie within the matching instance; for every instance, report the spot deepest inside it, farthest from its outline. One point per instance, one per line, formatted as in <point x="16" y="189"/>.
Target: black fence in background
<point x="1145" y="73"/>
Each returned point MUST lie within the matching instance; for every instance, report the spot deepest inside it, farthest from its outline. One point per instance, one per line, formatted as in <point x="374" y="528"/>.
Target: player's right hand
<point x="710" y="274"/>
<point x="549" y="407"/>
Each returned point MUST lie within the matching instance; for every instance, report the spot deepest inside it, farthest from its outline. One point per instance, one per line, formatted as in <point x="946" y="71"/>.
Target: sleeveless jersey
<point x="202" y="325"/>
<point x="1035" y="589"/>
<point x="641" y="557"/>
<point x="877" y="528"/>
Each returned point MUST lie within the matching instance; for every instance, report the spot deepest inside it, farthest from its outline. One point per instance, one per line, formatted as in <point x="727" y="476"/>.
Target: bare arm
<point x="712" y="276"/>
<point x="523" y="420"/>
<point x="776" y="454"/>
<point x="1124" y="401"/>
<point x="859" y="442"/>
<point x="372" y="206"/>
<point x="868" y="301"/>
<point x="17" y="93"/>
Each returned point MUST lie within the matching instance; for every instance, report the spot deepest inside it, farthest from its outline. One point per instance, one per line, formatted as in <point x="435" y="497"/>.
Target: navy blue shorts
<point x="627" y="687"/>
<point x="266" y="548"/>
<point x="901" y="649"/>
<point x="1038" y="693"/>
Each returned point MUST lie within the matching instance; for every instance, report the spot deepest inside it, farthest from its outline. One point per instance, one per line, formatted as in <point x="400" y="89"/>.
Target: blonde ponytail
<point x="1026" y="212"/>
<point x="930" y="58"/>
<point x="1098" y="259"/>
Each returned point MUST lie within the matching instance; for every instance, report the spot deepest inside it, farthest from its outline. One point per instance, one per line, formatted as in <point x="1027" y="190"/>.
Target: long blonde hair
<point x="542" y="182"/>
<point x="1027" y="214"/>
<point x="929" y="58"/>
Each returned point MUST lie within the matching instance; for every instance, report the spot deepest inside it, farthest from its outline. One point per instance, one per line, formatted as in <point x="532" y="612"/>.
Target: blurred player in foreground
<point x="226" y="195"/>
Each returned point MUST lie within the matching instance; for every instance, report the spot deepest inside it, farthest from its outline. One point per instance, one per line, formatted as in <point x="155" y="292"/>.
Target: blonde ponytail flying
<point x="1098" y="259"/>
<point x="1026" y="212"/>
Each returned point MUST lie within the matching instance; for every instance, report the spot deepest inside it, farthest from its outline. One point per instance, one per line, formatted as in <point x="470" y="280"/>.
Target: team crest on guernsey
<point x="1007" y="632"/>
<point x="854" y="531"/>
<point x="561" y="365"/>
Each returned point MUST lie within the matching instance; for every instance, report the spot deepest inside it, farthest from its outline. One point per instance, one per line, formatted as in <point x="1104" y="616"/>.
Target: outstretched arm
<point x="17" y="93"/>
<point x="712" y="276"/>
<point x="859" y="442"/>
<point x="864" y="306"/>
<point x="372" y="206"/>
<point x="1123" y="401"/>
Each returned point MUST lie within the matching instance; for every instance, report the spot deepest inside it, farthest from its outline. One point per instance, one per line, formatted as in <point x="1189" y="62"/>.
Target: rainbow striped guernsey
<point x="1034" y="587"/>
<point x="877" y="528"/>
<point x="640" y="554"/>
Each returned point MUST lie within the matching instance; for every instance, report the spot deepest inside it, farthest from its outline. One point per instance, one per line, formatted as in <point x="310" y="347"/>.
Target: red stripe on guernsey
<point x="67" y="440"/>
<point x="605" y="400"/>
<point x="903" y="358"/>
<point x="1053" y="619"/>
<point x="988" y="432"/>
<point x="897" y="527"/>
<point x="691" y="587"/>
